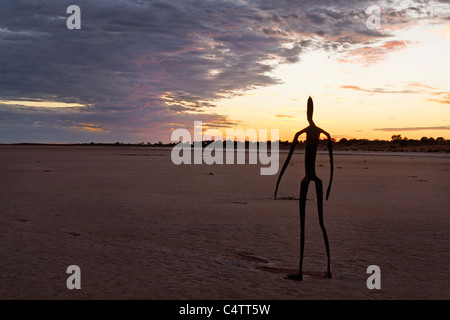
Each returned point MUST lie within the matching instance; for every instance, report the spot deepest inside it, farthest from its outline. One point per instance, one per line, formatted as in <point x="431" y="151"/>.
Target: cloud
<point x="371" y="54"/>
<point x="40" y="104"/>
<point x="413" y="128"/>
<point x="444" y="100"/>
<point x="138" y="66"/>
<point x="420" y="85"/>
<point x="284" y="116"/>
<point x="410" y="88"/>
<point x="376" y="90"/>
<point x="84" y="126"/>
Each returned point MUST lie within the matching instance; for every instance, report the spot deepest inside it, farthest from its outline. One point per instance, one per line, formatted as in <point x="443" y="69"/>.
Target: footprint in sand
<point x="262" y="264"/>
<point x="251" y="257"/>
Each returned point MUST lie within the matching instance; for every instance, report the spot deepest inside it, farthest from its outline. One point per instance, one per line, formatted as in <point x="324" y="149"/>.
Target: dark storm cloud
<point x="142" y="65"/>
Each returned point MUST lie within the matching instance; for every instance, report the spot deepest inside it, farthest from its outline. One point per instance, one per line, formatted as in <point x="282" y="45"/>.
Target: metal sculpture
<point x="312" y="141"/>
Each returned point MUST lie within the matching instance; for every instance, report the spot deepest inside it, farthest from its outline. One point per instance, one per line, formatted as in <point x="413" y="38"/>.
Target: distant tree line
<point x="397" y="143"/>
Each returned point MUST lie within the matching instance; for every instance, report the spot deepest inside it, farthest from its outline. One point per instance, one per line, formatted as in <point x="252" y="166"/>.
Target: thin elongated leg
<point x="302" y="208"/>
<point x="303" y="193"/>
<point x="319" y="192"/>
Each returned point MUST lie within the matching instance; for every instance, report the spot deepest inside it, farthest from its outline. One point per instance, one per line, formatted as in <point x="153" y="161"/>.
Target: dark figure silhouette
<point x="312" y="140"/>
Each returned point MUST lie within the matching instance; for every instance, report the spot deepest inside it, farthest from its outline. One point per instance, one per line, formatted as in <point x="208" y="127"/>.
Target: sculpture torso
<point x="312" y="141"/>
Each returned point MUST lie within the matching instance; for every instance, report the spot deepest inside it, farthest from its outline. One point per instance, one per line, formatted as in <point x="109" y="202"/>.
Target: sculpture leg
<point x="302" y="208"/>
<point x="319" y="192"/>
<point x="303" y="193"/>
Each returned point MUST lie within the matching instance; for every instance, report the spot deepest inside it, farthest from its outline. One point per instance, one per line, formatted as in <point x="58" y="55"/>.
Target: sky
<point x="137" y="70"/>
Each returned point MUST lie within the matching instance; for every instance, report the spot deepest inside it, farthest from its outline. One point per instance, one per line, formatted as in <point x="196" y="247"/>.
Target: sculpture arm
<point x="330" y="151"/>
<point x="291" y="151"/>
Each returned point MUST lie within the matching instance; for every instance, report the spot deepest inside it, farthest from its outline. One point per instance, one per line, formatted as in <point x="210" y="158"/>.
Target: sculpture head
<point x="310" y="110"/>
